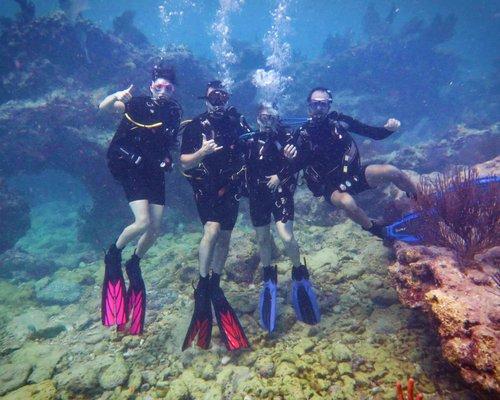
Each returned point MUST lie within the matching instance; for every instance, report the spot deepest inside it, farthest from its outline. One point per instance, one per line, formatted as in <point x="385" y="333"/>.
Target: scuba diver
<point x="138" y="157"/>
<point x="331" y="160"/>
<point x="271" y="186"/>
<point x="212" y="161"/>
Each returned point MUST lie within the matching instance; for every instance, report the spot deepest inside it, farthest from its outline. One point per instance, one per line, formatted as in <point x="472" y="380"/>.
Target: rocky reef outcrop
<point x="54" y="73"/>
<point x="14" y="217"/>
<point x="462" y="145"/>
<point x="461" y="296"/>
<point x="462" y="301"/>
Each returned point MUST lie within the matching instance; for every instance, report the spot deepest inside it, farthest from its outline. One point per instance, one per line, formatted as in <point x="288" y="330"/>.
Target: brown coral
<point x="458" y="213"/>
<point x="462" y="302"/>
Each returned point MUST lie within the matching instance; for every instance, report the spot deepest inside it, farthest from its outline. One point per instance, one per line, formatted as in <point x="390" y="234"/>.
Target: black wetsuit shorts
<point x="143" y="183"/>
<point x="264" y="203"/>
<point x="353" y="183"/>
<point x="221" y="207"/>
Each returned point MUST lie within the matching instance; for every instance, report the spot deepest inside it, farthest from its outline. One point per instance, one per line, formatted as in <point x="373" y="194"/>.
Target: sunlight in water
<point x="172" y="12"/>
<point x="272" y="82"/>
<point x="221" y="45"/>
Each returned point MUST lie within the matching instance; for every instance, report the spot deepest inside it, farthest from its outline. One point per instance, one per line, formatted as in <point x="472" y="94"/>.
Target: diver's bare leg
<point x="221" y="250"/>
<point x="211" y="233"/>
<point x="285" y="232"/>
<point x="264" y="243"/>
<point x="379" y="174"/>
<point x="149" y="237"/>
<point x="140" y="208"/>
<point x="347" y="203"/>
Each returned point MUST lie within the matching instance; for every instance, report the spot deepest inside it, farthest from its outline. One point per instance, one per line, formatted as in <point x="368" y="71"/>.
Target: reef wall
<point x="54" y="73"/>
<point x="462" y="300"/>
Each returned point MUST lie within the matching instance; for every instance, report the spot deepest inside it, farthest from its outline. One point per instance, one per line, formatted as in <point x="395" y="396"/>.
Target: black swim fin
<point x="303" y="297"/>
<point x="230" y="328"/>
<point x="113" y="308"/>
<point x="267" y="300"/>
<point x="136" y="297"/>
<point x="201" y="322"/>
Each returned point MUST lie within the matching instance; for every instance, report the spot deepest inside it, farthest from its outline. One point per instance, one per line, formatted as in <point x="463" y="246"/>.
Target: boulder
<point x="59" y="291"/>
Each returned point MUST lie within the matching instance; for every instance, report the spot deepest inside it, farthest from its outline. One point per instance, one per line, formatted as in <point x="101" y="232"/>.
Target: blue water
<point x="476" y="40"/>
<point x="53" y="143"/>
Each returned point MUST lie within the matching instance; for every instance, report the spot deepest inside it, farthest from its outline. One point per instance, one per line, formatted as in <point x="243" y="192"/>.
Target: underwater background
<point x="432" y="64"/>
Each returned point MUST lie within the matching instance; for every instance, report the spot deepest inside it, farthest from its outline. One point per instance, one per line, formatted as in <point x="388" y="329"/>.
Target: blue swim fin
<point x="303" y="297"/>
<point x="408" y="228"/>
<point x="267" y="300"/>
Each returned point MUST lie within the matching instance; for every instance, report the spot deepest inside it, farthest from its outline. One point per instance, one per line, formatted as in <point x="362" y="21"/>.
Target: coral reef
<point x="458" y="213"/>
<point x="463" y="302"/>
<point x="461" y="145"/>
<point x="27" y="11"/>
<point x="52" y="344"/>
<point x="62" y="64"/>
<point x="461" y="297"/>
<point x="124" y="28"/>
<point x="24" y="266"/>
<point x="364" y="344"/>
<point x="409" y="391"/>
<point x="44" y="60"/>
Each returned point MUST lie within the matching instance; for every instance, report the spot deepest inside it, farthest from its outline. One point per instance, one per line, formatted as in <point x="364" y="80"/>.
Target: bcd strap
<point x="198" y="173"/>
<point x="152" y="126"/>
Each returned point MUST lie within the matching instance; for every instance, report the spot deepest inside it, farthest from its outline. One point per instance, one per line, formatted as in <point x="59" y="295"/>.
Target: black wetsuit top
<point x="149" y="128"/>
<point x="139" y="152"/>
<point x="217" y="167"/>
<point x="330" y="156"/>
<point x="217" y="180"/>
<point x="264" y="157"/>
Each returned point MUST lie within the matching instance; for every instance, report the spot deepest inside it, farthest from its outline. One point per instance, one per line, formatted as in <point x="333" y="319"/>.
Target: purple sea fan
<point x="459" y="213"/>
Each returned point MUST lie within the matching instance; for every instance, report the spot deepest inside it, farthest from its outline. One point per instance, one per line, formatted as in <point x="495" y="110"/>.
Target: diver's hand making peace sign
<point x="124" y="95"/>
<point x="290" y="151"/>
<point x="208" y="146"/>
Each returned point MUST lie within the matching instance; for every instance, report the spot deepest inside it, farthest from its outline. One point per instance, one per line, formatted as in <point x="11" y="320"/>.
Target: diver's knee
<point x="211" y="231"/>
<point x="336" y="199"/>
<point x="399" y="175"/>
<point x="342" y="200"/>
<point x="287" y="238"/>
<point x="143" y="223"/>
<point x="390" y="171"/>
<point x="289" y="241"/>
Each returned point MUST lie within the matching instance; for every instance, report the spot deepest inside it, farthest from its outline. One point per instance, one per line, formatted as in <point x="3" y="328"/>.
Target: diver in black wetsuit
<point x="331" y="160"/>
<point x="271" y="186"/>
<point x="212" y="160"/>
<point x="138" y="157"/>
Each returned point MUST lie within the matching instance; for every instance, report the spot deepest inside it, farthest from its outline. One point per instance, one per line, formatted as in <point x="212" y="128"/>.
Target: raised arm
<point x="377" y="133"/>
<point x="191" y="160"/>
<point x="116" y="102"/>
